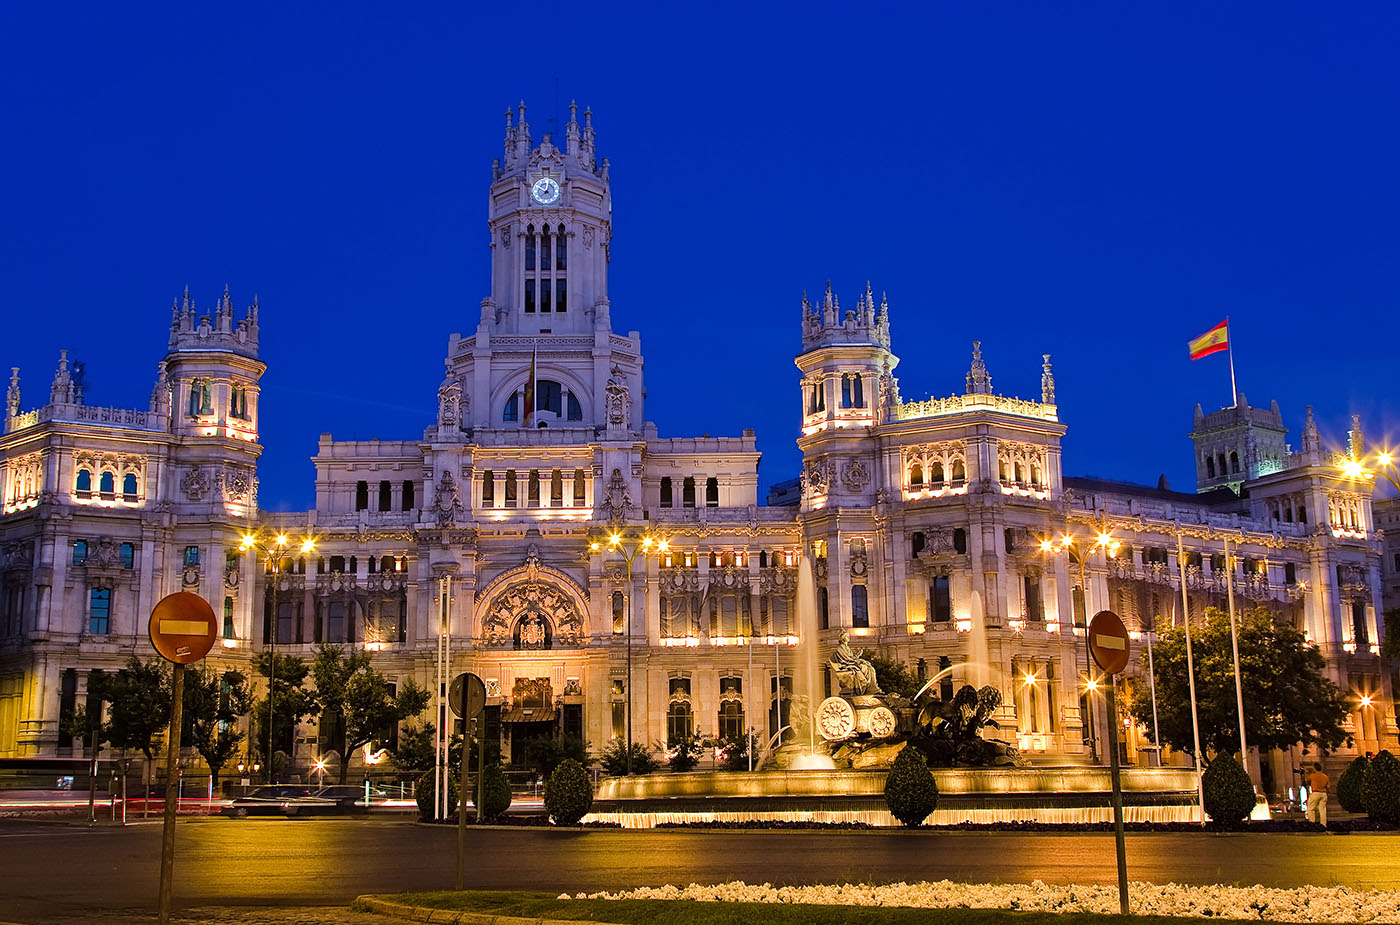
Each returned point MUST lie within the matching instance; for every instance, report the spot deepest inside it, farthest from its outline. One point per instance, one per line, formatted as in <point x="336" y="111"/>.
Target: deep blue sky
<point x="1096" y="181"/>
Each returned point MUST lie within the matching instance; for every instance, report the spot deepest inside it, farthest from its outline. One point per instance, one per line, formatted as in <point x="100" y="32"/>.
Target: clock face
<point x="545" y="190"/>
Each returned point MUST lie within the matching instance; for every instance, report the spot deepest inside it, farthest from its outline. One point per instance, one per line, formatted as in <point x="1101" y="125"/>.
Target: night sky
<point x="1100" y="182"/>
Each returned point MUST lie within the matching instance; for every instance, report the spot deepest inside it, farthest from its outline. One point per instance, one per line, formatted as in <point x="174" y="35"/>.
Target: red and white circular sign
<point x="1108" y="642"/>
<point x="183" y="628"/>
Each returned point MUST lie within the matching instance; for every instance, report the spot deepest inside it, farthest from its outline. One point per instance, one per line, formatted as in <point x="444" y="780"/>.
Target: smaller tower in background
<point x="1235" y="445"/>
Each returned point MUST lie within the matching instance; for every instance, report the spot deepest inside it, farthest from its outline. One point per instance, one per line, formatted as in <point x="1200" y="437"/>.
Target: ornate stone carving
<point x="505" y="236"/>
<point x="616" y="504"/>
<point x="534" y="614"/>
<point x="573" y="688"/>
<point x="446" y="504"/>
<point x="616" y="400"/>
<point x="450" y="401"/>
<point x="195" y="484"/>
<point x="854" y="675"/>
<point x="855" y="474"/>
<point x="587" y="236"/>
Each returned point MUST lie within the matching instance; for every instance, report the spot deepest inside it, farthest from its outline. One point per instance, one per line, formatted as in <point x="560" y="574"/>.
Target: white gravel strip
<point x="1303" y="904"/>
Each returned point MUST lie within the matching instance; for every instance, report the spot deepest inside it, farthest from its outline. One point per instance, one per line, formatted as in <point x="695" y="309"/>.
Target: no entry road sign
<point x="183" y="628"/>
<point x="1108" y="642"/>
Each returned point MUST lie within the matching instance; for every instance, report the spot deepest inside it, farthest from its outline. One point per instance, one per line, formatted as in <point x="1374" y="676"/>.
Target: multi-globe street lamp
<point x="629" y="546"/>
<point x="1385" y="466"/>
<point x="1079" y="555"/>
<point x="272" y="548"/>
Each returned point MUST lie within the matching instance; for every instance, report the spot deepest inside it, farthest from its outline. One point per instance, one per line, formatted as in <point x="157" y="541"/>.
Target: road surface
<point x="54" y="872"/>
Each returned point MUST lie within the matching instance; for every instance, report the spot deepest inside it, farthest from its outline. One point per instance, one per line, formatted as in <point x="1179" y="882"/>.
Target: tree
<point x="138" y="716"/>
<point x="291" y="702"/>
<point x="910" y="790"/>
<point x="1287" y="699"/>
<point x="894" y="677"/>
<point x="545" y="753"/>
<point x="358" y="699"/>
<point x="414" y="756"/>
<point x="213" y="703"/>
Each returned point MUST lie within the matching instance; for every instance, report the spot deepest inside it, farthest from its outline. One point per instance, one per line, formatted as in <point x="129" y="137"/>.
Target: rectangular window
<point x="1290" y="573"/>
<point x="1077" y="598"/>
<point x="823" y="609"/>
<point x="544" y="295"/>
<point x="79" y="552"/>
<point x="530" y="295"/>
<point x="362" y="496"/>
<point x="556" y="489"/>
<point x="688" y="492"/>
<point x="386" y="496"/>
<point x="228" y="618"/>
<point x="618" y="621"/>
<point x="1359" y="635"/>
<point x="408" y="502"/>
<point x="712" y="492"/>
<point x="544" y="258"/>
<point x="665" y="491"/>
<point x="99" y="611"/>
<point x="488" y="489"/>
<point x="579" y="488"/>
<point x="1034" y="610"/>
<point x="511" y="488"/>
<point x="532" y="489"/>
<point x="561" y="251"/>
<point x="191" y="556"/>
<point x="860" y="614"/>
<point x="940" y="599"/>
<point x="560" y="292"/>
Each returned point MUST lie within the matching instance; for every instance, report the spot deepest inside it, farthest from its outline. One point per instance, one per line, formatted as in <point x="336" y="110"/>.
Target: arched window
<point x="936" y="474"/>
<point x="959" y="472"/>
<point x="129" y="486"/>
<point x="1002" y="472"/>
<point x="1020" y="473"/>
<point x="544" y="250"/>
<point x="512" y="409"/>
<point x="916" y="476"/>
<point x="731" y="720"/>
<point x="548" y="396"/>
<point x="529" y="247"/>
<point x="1036" y="478"/>
<point x="619" y="620"/>
<point x="679" y="722"/>
<point x="1220" y="464"/>
<point x="107" y="485"/>
<point x="1210" y="466"/>
<point x="561" y="252"/>
<point x="575" y="410"/>
<point x="1234" y="462"/>
<point x="846" y="399"/>
<point x="83" y="484"/>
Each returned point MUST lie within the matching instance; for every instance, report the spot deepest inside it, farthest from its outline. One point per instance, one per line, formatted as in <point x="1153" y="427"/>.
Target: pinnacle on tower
<point x="1047" y="381"/>
<point x="12" y="396"/>
<point x="1312" y="440"/>
<point x="978" y="381"/>
<point x="1356" y="441"/>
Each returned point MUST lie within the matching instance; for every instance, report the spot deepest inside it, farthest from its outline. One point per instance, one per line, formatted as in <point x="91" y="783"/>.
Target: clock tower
<point x="550" y="216"/>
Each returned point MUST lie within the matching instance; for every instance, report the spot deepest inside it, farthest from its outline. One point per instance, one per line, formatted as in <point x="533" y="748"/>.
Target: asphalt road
<point x="63" y="873"/>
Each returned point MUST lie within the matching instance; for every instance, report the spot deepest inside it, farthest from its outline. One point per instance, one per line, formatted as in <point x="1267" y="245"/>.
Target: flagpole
<point x="1230" y="349"/>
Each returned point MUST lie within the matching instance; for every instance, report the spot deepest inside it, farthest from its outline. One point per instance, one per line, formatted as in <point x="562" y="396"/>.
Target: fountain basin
<point x="978" y="795"/>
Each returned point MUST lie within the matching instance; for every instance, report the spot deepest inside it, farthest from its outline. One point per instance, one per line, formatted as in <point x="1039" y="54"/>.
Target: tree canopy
<point x="356" y="701"/>
<point x="138" y="715"/>
<point x="1287" y="698"/>
<point x="291" y="701"/>
<point x="213" y="703"/>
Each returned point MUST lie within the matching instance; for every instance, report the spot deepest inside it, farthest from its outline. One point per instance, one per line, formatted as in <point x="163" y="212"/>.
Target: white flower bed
<point x="1304" y="904"/>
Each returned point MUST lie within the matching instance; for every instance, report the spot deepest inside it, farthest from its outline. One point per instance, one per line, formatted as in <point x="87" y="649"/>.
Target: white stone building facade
<point x="917" y="526"/>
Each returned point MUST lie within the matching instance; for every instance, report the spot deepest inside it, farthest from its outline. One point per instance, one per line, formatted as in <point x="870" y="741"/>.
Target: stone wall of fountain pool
<point x="1061" y="795"/>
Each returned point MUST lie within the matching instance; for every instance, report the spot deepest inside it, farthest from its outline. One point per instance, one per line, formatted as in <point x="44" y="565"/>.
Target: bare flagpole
<point x="1230" y="350"/>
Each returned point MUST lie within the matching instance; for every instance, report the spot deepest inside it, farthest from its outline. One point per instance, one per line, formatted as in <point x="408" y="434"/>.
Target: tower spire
<point x="978" y="381"/>
<point x="1047" y="381"/>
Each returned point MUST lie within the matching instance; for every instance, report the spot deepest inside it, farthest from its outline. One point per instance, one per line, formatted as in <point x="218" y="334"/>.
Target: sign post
<point x="183" y="630"/>
<point x="467" y="698"/>
<point x="1108" y="643"/>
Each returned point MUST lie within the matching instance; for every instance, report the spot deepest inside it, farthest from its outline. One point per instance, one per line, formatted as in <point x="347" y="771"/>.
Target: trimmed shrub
<point x="495" y="792"/>
<point x="1229" y="796"/>
<point x="910" y="791"/>
<point x="614" y="759"/>
<point x="1349" y="785"/>
<point x="425" y="787"/>
<point x="568" y="795"/>
<point x="1380" y="788"/>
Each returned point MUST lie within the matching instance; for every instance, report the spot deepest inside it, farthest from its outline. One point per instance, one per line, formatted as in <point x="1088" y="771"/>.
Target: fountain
<point x="841" y="776"/>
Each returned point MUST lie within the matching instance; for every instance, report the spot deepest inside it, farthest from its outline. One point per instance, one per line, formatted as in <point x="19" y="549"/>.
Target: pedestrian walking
<point x="1317" y="795"/>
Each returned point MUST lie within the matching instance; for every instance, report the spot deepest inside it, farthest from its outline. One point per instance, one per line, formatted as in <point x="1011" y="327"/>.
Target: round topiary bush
<point x="1229" y="796"/>
<point x="1380" y="788"/>
<point x="568" y="795"/>
<point x="1349" y="785"/>
<point x="424" y="794"/>
<point x="495" y="792"/>
<point x="910" y="791"/>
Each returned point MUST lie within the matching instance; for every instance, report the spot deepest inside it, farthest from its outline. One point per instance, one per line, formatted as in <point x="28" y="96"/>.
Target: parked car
<point x="266" y="801"/>
<point x="336" y="798"/>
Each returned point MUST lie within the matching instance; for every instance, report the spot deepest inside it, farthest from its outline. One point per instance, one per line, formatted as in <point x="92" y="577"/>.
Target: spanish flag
<point x="1212" y="341"/>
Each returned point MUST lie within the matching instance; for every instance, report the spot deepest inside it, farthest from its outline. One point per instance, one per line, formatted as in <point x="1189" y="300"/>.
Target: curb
<point x="370" y="903"/>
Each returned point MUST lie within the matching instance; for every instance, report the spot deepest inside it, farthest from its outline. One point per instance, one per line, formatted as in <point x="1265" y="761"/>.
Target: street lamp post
<point x="629" y="546"/>
<point x="272" y="549"/>
<point x="1080" y="556"/>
